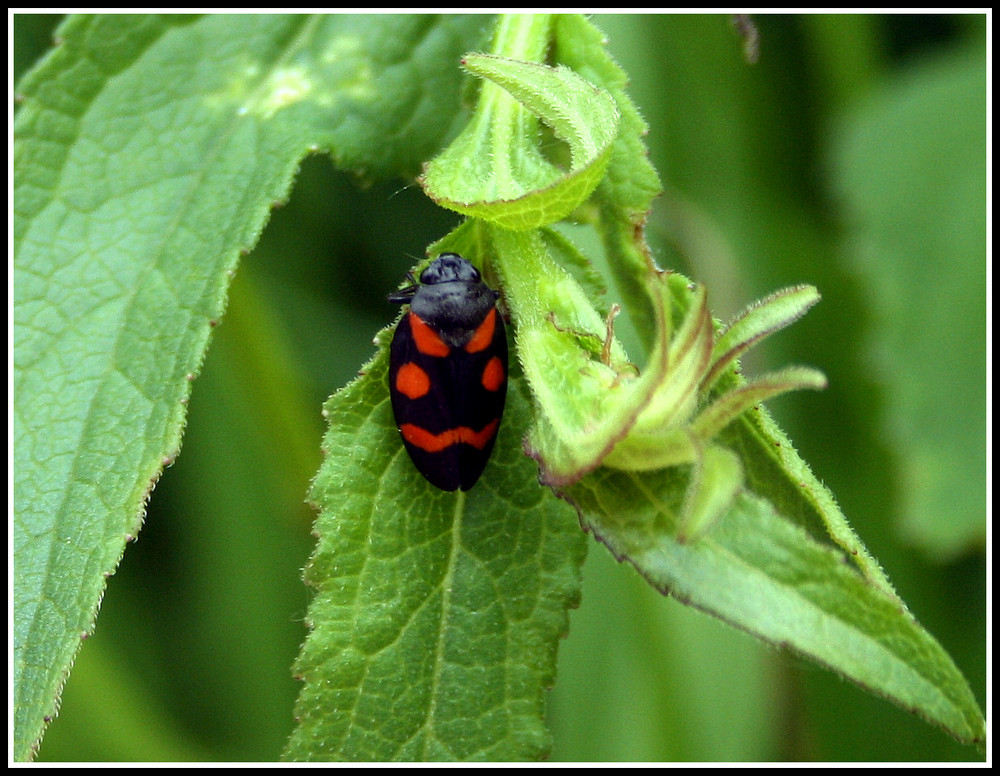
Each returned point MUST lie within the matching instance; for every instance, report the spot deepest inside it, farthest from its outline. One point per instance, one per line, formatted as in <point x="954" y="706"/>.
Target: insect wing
<point x="448" y="400"/>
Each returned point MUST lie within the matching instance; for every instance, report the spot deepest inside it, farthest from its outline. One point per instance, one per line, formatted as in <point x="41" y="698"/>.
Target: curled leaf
<point x="491" y="172"/>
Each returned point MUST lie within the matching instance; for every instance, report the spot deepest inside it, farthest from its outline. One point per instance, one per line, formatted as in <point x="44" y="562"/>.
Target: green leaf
<point x="758" y="572"/>
<point x="437" y="615"/>
<point x="762" y="318"/>
<point x="149" y="151"/>
<point x="716" y="480"/>
<point x="495" y="170"/>
<point x="743" y="398"/>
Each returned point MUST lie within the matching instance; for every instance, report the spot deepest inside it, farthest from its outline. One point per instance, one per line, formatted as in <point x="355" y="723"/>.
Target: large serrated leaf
<point x="437" y="615"/>
<point x="149" y="151"/>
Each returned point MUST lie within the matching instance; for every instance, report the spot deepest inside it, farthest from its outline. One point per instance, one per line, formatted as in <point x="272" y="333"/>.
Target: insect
<point x="448" y="372"/>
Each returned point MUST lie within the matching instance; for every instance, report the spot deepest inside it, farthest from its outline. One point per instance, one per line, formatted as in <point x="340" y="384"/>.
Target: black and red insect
<point x="448" y="372"/>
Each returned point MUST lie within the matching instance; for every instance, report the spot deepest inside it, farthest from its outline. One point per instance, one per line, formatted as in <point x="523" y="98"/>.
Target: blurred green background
<point x="852" y="156"/>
